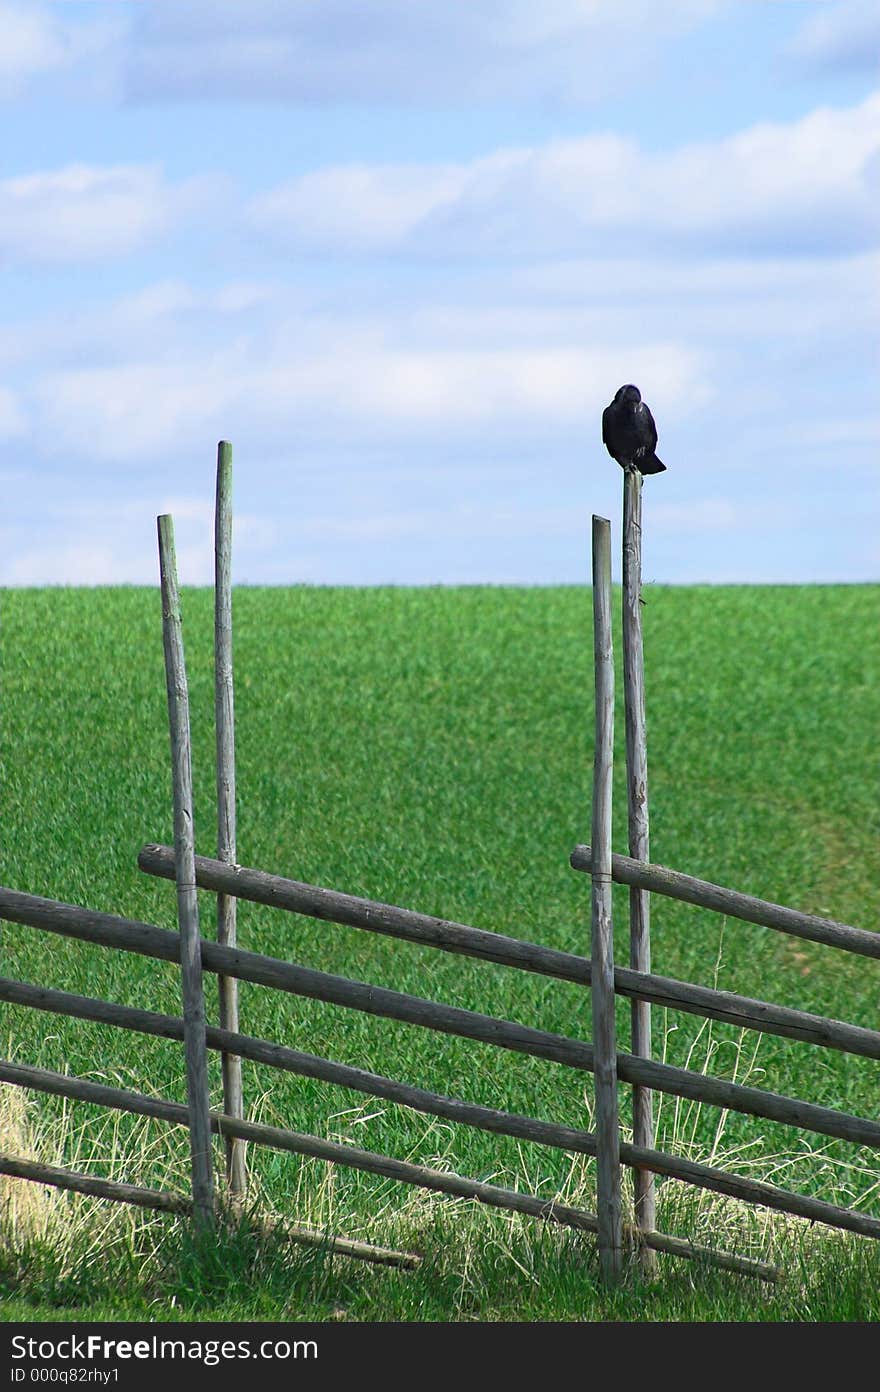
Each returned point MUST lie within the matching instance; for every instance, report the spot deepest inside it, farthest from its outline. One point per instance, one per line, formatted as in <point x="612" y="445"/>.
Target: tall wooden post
<point x="195" y="1050"/>
<point x="637" y="807"/>
<point x="224" y="710"/>
<point x="602" y="944"/>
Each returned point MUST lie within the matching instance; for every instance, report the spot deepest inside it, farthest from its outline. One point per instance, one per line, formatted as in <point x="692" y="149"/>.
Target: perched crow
<point x="629" y="432"/>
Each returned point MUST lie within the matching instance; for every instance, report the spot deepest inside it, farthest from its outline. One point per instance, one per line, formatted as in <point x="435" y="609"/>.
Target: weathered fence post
<point x="639" y="848"/>
<point x="224" y="709"/>
<point x="195" y="1049"/>
<point x="602" y="939"/>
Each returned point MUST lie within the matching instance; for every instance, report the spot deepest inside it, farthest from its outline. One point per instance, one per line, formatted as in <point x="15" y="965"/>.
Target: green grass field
<point x="433" y="748"/>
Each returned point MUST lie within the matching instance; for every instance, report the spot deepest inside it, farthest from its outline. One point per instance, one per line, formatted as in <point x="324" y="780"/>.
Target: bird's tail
<point x="652" y="465"/>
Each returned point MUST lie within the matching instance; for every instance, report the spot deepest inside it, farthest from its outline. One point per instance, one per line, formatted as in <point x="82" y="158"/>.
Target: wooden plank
<point x="366" y="914"/>
<point x="602" y="935"/>
<point x="85" y="1090"/>
<point x="96" y="1187"/>
<point x="747" y="1013"/>
<point x="369" y="915"/>
<point x="131" y="935"/>
<point x="224" y="714"/>
<point x="638" y="829"/>
<point x="435" y="1104"/>
<point x="187" y="897"/>
<point x="403" y="1171"/>
<point x="661" y="880"/>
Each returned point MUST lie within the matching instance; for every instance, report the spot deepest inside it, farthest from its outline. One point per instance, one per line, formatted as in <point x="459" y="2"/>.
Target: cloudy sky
<point x="402" y="252"/>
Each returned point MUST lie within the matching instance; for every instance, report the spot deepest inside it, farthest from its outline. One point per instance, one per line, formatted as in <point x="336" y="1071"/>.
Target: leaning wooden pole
<point x="163" y="1202"/>
<point x="602" y="951"/>
<point x="224" y="708"/>
<point x="639" y="846"/>
<point x="195" y="1048"/>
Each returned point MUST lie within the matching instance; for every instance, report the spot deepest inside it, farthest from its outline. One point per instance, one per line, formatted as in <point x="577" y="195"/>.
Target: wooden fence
<point x="231" y="963"/>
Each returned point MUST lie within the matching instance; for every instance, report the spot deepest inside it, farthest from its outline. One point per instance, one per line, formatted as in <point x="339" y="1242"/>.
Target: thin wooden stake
<point x="224" y="707"/>
<point x="602" y="952"/>
<point x="639" y="846"/>
<point x="195" y="1049"/>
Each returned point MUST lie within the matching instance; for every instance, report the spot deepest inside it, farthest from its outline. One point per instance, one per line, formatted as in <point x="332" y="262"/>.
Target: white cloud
<point x="800" y="186"/>
<point x="856" y="431"/>
<point x="565" y="51"/>
<point x="357" y="206"/>
<point x="513" y="361"/>
<point x="85" y="213"/>
<point x="12" y="420"/>
<point x="489" y="518"/>
<point x="53" y="565"/>
<point x="81" y="563"/>
<point x="30" y="42"/>
<point x="841" y="37"/>
<point x="811" y="184"/>
<point x="710" y="515"/>
<point x="37" y="41"/>
<point x="116" y="542"/>
<point x="135" y="408"/>
<point x="798" y="295"/>
<point x="430" y="411"/>
<point x="156" y="316"/>
<point x="132" y="410"/>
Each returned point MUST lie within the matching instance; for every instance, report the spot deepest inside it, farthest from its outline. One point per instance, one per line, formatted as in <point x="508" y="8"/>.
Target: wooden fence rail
<point x="95" y="1186"/>
<point x="661" y="880"/>
<point x="150" y="941"/>
<point x="372" y="916"/>
<point x="352" y="1157"/>
<point x="452" y="1109"/>
<point x="195" y="955"/>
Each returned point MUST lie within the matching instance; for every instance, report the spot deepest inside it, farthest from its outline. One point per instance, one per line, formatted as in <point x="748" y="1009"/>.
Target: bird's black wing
<point x="646" y="428"/>
<point x="606" y="423"/>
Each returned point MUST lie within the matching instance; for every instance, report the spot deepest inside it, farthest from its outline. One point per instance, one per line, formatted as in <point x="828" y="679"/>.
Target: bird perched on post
<point x="629" y="432"/>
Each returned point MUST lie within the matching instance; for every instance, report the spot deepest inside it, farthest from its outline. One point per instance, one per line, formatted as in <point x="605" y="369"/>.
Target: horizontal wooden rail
<point x="403" y="1171"/>
<point x="94" y="1186"/>
<point x="369" y="914"/>
<point x="146" y="939"/>
<point x="160" y="1200"/>
<point x="466" y="1113"/>
<point x="660" y="880"/>
<point x="329" y="905"/>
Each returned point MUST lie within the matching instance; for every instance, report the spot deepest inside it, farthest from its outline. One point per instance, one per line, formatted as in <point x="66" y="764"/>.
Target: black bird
<point x="629" y="432"/>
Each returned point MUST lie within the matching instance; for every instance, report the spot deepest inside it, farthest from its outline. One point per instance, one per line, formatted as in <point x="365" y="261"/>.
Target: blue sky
<point x="401" y="253"/>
